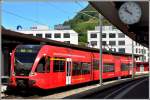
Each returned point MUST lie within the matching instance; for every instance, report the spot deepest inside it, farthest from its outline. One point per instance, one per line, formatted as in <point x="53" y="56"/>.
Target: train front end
<point x="22" y="62"/>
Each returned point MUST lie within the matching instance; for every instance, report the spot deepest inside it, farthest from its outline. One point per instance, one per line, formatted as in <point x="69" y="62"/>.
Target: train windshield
<point x="24" y="58"/>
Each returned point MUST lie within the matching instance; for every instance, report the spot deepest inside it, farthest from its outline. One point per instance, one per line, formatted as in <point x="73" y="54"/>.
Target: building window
<point x="121" y="42"/>
<point x="108" y="67"/>
<point x="143" y="51"/>
<point x="39" y="35"/>
<point x="139" y="50"/>
<point x="66" y="35"/>
<point x="122" y="50"/>
<point x="112" y="43"/>
<point x="113" y="49"/>
<point x="121" y="35"/>
<point x="93" y="43"/>
<point x="103" y="35"/>
<point x="112" y="35"/>
<point x="59" y="64"/>
<point x="93" y="35"/>
<point x="104" y="43"/>
<point x="57" y="35"/>
<point x="136" y="50"/>
<point x="48" y="35"/>
<point x="67" y="42"/>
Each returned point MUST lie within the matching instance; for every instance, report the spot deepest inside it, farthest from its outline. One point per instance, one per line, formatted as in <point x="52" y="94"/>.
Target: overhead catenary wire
<point x="57" y="8"/>
<point x="77" y="2"/>
<point x="25" y="18"/>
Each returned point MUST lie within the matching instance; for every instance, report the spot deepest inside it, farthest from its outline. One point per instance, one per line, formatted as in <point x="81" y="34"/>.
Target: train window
<point x="95" y="64"/>
<point x="59" y="65"/>
<point x="124" y="67"/>
<point x="43" y="65"/>
<point x="108" y="67"/>
<point x="86" y="68"/>
<point x="76" y="68"/>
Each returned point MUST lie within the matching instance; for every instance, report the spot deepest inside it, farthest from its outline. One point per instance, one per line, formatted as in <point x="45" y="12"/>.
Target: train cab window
<point x="59" y="65"/>
<point x="95" y="64"/>
<point x="108" y="67"/>
<point x="124" y="67"/>
<point x="43" y="65"/>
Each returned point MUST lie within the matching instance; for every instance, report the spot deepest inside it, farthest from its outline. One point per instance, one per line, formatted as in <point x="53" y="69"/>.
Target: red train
<point x="46" y="66"/>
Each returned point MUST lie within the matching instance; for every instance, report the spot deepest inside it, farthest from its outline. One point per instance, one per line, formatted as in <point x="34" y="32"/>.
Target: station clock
<point x="130" y="13"/>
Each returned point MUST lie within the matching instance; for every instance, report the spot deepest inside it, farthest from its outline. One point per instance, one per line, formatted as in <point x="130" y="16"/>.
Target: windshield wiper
<point x="19" y="61"/>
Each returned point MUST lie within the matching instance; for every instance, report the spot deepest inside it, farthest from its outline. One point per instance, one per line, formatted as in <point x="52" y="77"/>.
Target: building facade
<point x="67" y="36"/>
<point x="113" y="39"/>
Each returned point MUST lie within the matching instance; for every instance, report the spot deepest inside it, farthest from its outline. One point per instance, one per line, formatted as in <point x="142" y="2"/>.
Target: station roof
<point x="11" y="37"/>
<point x="138" y="32"/>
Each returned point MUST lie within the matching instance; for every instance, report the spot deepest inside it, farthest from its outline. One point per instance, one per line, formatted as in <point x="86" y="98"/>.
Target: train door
<point x="68" y="71"/>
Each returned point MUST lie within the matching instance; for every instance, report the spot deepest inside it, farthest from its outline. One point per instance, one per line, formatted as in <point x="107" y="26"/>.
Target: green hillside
<point x="83" y="22"/>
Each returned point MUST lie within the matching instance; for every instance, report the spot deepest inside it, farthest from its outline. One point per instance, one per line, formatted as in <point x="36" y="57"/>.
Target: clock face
<point x="130" y="13"/>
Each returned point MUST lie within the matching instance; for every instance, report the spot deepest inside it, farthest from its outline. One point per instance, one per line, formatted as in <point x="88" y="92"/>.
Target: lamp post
<point x="100" y="42"/>
<point x="132" y="60"/>
<point x="100" y="51"/>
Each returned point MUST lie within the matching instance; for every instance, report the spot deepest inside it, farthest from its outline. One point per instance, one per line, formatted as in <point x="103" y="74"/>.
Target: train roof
<point x="10" y="36"/>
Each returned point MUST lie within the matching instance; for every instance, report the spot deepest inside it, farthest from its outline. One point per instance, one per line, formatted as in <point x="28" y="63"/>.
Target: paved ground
<point x="137" y="89"/>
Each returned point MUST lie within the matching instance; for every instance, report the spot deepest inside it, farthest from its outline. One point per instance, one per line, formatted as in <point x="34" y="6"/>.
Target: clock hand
<point x="126" y="10"/>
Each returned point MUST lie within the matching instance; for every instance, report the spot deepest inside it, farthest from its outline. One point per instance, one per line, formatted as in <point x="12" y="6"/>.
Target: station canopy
<point x="138" y="32"/>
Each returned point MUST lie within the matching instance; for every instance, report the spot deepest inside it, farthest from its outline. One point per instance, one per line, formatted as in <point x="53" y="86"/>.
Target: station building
<point x="113" y="39"/>
<point x="60" y="34"/>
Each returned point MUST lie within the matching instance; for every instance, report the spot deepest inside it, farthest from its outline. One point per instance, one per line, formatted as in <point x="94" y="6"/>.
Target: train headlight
<point x="32" y="74"/>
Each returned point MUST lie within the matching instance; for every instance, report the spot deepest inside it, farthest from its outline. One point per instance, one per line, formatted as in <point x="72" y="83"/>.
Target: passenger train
<point x="47" y="66"/>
